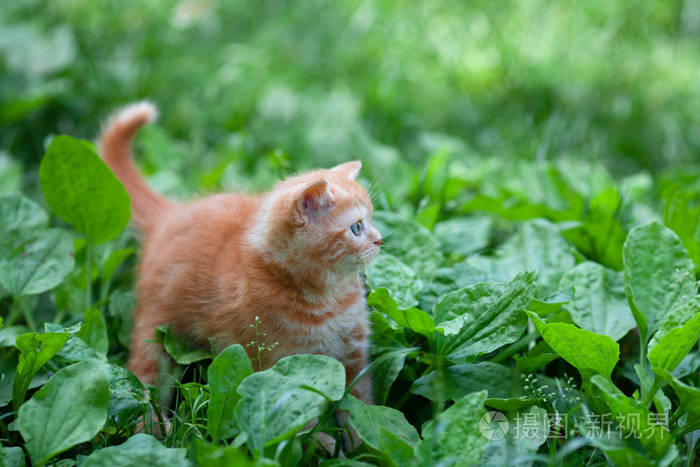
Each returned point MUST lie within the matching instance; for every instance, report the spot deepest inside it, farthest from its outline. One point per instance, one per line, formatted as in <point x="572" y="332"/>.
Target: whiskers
<point x="366" y="257"/>
<point x="376" y="189"/>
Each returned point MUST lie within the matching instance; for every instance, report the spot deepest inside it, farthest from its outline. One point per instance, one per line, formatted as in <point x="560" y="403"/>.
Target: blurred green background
<point x="250" y="90"/>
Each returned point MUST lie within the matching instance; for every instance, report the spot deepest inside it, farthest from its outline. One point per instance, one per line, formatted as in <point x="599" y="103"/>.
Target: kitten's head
<point x="321" y="219"/>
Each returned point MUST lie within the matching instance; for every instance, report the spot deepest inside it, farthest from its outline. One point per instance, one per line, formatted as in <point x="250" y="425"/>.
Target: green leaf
<point x="453" y="437"/>
<point x="398" y="451"/>
<point x="386" y="367"/>
<point x="369" y="420"/>
<point x="82" y="190"/>
<point x="212" y="455"/>
<point x="446" y="280"/>
<point x="71" y="408"/>
<point x="601" y="236"/>
<point x="527" y="431"/>
<point x="435" y="176"/>
<point x="537" y="244"/>
<point x="689" y="398"/>
<point x="11" y="456"/>
<point x="409" y="241"/>
<point x="675" y="344"/>
<point x="128" y="399"/>
<point x="112" y="262"/>
<point x="483" y="317"/>
<point x="388" y="272"/>
<point x="276" y="403"/>
<point x="633" y="417"/>
<point x="464" y="235"/>
<point x="178" y="349"/>
<point x="412" y="318"/>
<point x="121" y="306"/>
<point x="683" y="217"/>
<point x="9" y="334"/>
<point x="677" y="317"/>
<point x="8" y="368"/>
<point x="658" y="275"/>
<point x="224" y="375"/>
<point x="21" y="218"/>
<point x="388" y="349"/>
<point x="504" y="385"/>
<point x="10" y="174"/>
<point x="529" y="363"/>
<point x="75" y="350"/>
<point x="599" y="303"/>
<point x="590" y="353"/>
<point x="689" y="365"/>
<point x="35" y="350"/>
<point x="140" y="449"/>
<point x="39" y="264"/>
<point x="94" y="330"/>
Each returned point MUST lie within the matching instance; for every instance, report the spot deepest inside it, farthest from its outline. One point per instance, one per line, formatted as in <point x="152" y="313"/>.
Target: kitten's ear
<point x="314" y="198"/>
<point x="349" y="169"/>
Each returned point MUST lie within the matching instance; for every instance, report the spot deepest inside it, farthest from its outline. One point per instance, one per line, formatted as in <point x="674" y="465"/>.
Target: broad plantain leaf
<point x="504" y="385"/>
<point x="21" y="218"/>
<point x="590" y="353"/>
<point x="599" y="303"/>
<point x="409" y="241"/>
<point x="453" y="437"/>
<point x="94" y="330"/>
<point x="675" y="344"/>
<point x="399" y="451"/>
<point x="178" y="349"/>
<point x="483" y="317"/>
<point x="633" y="417"/>
<point x="39" y="264"/>
<point x="11" y="456"/>
<point x="75" y="350"/>
<point x="82" y="190"/>
<point x="389" y="349"/>
<point x="369" y="420"/>
<point x="527" y="431"/>
<point x="388" y="272"/>
<point x="658" y="275"/>
<point x="214" y="455"/>
<point x="69" y="409"/>
<point x="140" y="449"/>
<point x="224" y="375"/>
<point x="446" y="280"/>
<point x="689" y="398"/>
<point x="537" y="244"/>
<point x="276" y="403"/>
<point x="464" y="235"/>
<point x="128" y="398"/>
<point x="412" y="318"/>
<point x="35" y="350"/>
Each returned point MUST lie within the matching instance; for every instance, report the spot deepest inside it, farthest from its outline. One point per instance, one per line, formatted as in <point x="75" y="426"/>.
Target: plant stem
<point x="674" y="418"/>
<point x="88" y="275"/>
<point x="12" y="317"/>
<point x="28" y="318"/>
<point x="658" y="383"/>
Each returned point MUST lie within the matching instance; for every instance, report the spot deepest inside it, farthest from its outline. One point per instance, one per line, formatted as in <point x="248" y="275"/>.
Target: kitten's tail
<point x="115" y="148"/>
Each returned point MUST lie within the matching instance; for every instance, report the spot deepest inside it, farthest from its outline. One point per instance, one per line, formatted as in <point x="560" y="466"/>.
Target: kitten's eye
<point x="357" y="228"/>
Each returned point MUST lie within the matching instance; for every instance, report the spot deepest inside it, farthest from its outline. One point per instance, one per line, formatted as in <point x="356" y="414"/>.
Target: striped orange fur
<point x="208" y="267"/>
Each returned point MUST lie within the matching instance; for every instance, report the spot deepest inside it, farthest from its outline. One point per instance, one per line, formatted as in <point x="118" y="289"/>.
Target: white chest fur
<point x="335" y="336"/>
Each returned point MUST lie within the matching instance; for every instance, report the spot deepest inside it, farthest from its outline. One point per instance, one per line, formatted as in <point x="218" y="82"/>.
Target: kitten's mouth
<point x="367" y="255"/>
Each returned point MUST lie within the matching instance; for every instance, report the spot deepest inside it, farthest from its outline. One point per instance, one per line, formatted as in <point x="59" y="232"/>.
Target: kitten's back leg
<point x="143" y="358"/>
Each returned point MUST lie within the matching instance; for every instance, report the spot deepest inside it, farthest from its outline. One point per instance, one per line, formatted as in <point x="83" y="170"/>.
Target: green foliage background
<point x="536" y="164"/>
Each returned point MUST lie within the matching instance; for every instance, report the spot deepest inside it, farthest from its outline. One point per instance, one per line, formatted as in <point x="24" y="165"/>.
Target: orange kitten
<point x="291" y="256"/>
